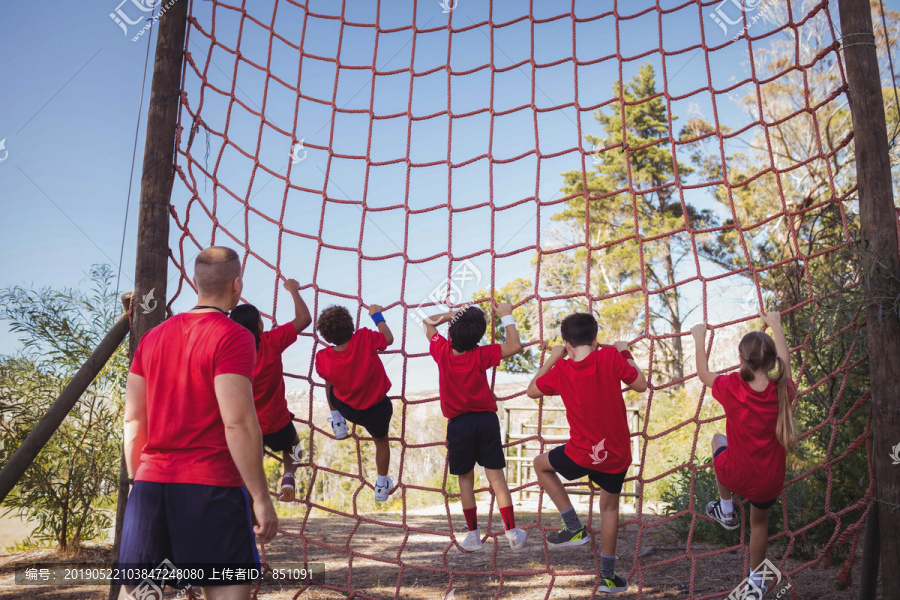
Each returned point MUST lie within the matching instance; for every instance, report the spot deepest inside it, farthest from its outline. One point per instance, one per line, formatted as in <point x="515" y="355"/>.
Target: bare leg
<point x="609" y="522"/>
<point x="328" y="388"/>
<point x="549" y="480"/>
<point x="498" y="483"/>
<point x="227" y="592"/>
<point x="125" y="592"/>
<point x="467" y="489"/>
<point x="759" y="535"/>
<point x="287" y="459"/>
<point x="382" y="455"/>
<point x="719" y="440"/>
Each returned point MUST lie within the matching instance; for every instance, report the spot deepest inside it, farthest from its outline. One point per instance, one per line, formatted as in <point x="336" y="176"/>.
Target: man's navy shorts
<point x="568" y="468"/>
<point x="376" y="419"/>
<point x="194" y="527"/>
<point x="474" y="437"/>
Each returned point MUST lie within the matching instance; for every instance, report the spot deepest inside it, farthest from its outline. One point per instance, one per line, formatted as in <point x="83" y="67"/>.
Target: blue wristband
<point x="377" y="318"/>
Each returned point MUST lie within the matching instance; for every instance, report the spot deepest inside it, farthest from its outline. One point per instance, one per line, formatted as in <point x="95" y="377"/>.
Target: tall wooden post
<point x="152" y="260"/>
<point x="878" y="230"/>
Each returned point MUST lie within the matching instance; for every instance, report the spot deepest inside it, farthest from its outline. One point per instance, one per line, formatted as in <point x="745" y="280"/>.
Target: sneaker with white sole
<point x="616" y="583"/>
<point x="728" y="521"/>
<point x="472" y="543"/>
<point x="341" y="430"/>
<point x="383" y="491"/>
<point x="565" y="537"/>
<point x="751" y="591"/>
<point x="516" y="538"/>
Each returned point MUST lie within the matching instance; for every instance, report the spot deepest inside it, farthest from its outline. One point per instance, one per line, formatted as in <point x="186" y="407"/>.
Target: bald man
<point x="193" y="445"/>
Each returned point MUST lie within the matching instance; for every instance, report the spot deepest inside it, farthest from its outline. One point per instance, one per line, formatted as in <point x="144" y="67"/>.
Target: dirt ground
<point x="433" y="568"/>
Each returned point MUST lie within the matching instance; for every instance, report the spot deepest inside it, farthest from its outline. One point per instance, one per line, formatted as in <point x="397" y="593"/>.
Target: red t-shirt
<point x="180" y="359"/>
<point x="268" y="378"/>
<point x="754" y="465"/>
<point x="463" y="377"/>
<point x="356" y="372"/>
<point x="591" y="390"/>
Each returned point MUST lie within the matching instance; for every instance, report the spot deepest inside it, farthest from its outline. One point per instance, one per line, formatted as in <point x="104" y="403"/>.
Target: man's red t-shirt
<point x="754" y="464"/>
<point x="180" y="359"/>
<point x="463" y="377"/>
<point x="356" y="372"/>
<point x="591" y="390"/>
<point x="268" y="378"/>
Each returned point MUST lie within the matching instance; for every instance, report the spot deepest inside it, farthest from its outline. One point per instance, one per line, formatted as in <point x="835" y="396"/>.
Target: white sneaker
<point x="472" y="543"/>
<point x="516" y="538"/>
<point x="382" y="492"/>
<point x="341" y="430"/>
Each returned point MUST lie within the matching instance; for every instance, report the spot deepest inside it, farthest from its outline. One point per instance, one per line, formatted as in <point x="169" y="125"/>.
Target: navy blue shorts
<point x="760" y="505"/>
<point x="193" y="527"/>
<point x="474" y="437"/>
<point x="281" y="440"/>
<point x="568" y="468"/>
<point x="376" y="419"/>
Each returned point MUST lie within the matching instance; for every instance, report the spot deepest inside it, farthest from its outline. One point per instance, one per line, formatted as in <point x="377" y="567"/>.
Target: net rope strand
<point x="205" y="215"/>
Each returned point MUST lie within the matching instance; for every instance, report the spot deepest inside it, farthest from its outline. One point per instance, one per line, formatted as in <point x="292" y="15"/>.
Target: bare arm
<point x="556" y="353"/>
<point x="773" y="320"/>
<point x="640" y="384"/>
<point x="706" y="376"/>
<point x="244" y="438"/>
<point x="431" y="323"/>
<point x="135" y="433"/>
<point x="512" y="345"/>
<point x="382" y="325"/>
<point x="302" y="318"/>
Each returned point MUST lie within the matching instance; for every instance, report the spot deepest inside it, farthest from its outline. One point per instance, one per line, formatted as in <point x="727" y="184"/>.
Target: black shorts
<point x="281" y="440"/>
<point x="376" y="419"/>
<point x="760" y="505"/>
<point x="194" y="527"/>
<point x="474" y="437"/>
<point x="568" y="468"/>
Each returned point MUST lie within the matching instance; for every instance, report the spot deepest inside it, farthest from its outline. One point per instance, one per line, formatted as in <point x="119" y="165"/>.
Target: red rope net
<point x="312" y="136"/>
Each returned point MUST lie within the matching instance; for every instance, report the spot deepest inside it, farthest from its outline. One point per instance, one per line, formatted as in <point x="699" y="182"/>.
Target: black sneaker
<point x="568" y="538"/>
<point x="616" y="584"/>
<point x="728" y="521"/>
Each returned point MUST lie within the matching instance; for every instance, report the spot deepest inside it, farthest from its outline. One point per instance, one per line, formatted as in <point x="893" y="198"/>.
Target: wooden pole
<point x="878" y="231"/>
<point x="50" y="422"/>
<point x="152" y="260"/>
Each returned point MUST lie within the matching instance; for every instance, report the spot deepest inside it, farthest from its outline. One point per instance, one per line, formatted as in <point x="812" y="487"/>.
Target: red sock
<point x="509" y="518"/>
<point x="471" y="518"/>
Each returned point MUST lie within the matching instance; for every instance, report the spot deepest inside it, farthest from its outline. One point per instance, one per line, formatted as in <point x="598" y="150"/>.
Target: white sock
<point x="381" y="481"/>
<point x="756" y="579"/>
<point x="727" y="505"/>
<point x="337" y="417"/>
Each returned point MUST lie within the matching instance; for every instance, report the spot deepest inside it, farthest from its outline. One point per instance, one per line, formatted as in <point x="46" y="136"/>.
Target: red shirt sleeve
<point x="489" y="356"/>
<point x="624" y="371"/>
<point x="720" y="389"/>
<point x="282" y="336"/>
<point x="322" y="364"/>
<point x="378" y="341"/>
<point x="136" y="367"/>
<point x="548" y="383"/>
<point x="236" y="354"/>
<point x="437" y="345"/>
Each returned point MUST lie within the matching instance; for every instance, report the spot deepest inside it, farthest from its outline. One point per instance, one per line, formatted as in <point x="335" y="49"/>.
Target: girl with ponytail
<point x="750" y="459"/>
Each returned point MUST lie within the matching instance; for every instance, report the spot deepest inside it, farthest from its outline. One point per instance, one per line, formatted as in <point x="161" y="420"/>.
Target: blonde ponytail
<point x="785" y="430"/>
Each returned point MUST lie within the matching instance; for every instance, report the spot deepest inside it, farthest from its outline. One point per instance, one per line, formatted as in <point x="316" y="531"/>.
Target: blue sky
<point x="72" y="82"/>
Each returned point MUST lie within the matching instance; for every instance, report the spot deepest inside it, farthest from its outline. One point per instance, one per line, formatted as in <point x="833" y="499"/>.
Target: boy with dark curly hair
<point x="473" y="430"/>
<point x="356" y="384"/>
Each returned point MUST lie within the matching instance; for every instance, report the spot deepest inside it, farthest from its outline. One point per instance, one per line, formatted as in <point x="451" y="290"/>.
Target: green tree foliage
<point x="58" y="330"/>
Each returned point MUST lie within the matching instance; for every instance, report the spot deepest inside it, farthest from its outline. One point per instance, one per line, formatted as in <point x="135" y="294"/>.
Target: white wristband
<point x="508" y="320"/>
